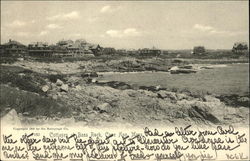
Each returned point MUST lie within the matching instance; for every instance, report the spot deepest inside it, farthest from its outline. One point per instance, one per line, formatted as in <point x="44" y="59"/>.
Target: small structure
<point x="199" y="50"/>
<point x="240" y="48"/>
<point x="13" y="48"/>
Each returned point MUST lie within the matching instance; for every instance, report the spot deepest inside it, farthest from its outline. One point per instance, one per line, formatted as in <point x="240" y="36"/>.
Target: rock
<point x="174" y="68"/>
<point x="85" y="75"/>
<point x="74" y="113"/>
<point x="53" y="86"/>
<point x="59" y="82"/>
<point x="181" y="96"/>
<point x="105" y="107"/>
<point x="45" y="88"/>
<point x="64" y="88"/>
<point x="78" y="87"/>
<point x="21" y="74"/>
<point x="243" y="99"/>
<point x="93" y="74"/>
<point x="165" y="94"/>
<point x="93" y="80"/>
<point x="73" y="81"/>
<point x="20" y="59"/>
<point x="158" y="87"/>
<point x="204" y="112"/>
<point x="178" y="70"/>
<point x="54" y="97"/>
<point x="206" y="67"/>
<point x="11" y="118"/>
<point x="26" y="114"/>
<point x="209" y="98"/>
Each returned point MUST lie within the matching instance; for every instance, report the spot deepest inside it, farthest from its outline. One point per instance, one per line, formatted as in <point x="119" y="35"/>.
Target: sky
<point x="128" y="24"/>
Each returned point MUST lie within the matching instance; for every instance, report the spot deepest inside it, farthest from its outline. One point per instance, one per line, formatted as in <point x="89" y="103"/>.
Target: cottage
<point x="240" y="47"/>
<point x="96" y="49"/>
<point x="40" y="49"/>
<point x="13" y="48"/>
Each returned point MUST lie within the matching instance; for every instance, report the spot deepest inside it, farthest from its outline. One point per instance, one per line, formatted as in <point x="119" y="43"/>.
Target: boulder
<point x="54" y="97"/>
<point x="181" y="96"/>
<point x="11" y="118"/>
<point x="209" y="98"/>
<point x="94" y="80"/>
<point x="203" y="112"/>
<point x="105" y="107"/>
<point x="93" y="74"/>
<point x="45" y="88"/>
<point x="178" y="70"/>
<point x="21" y="74"/>
<point x="59" y="82"/>
<point x="64" y="88"/>
<point x="165" y="94"/>
<point x="243" y="99"/>
<point x="78" y="87"/>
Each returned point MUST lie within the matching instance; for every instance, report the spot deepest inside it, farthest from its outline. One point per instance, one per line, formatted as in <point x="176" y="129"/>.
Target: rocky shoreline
<point x="91" y="102"/>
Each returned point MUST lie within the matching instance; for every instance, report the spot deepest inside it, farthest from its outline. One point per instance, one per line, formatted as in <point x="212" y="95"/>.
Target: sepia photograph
<point x="125" y="64"/>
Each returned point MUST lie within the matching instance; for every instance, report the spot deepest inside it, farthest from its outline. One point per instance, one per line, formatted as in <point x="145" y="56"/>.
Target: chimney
<point x="9" y="40"/>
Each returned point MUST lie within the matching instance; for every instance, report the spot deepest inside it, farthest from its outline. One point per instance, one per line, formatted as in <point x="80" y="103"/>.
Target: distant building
<point x="122" y="51"/>
<point x="151" y="52"/>
<point x="40" y="49"/>
<point x="96" y="49"/>
<point x="240" y="47"/>
<point x="13" y="48"/>
<point x="165" y="52"/>
<point x="199" y="50"/>
<point x="132" y="51"/>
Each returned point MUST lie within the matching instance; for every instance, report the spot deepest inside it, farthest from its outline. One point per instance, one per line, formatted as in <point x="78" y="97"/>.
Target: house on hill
<point x="13" y="48"/>
<point x="240" y="47"/>
<point x="40" y="49"/>
<point x="96" y="49"/>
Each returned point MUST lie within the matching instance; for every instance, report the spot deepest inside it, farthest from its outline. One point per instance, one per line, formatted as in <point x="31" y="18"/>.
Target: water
<point x="229" y="79"/>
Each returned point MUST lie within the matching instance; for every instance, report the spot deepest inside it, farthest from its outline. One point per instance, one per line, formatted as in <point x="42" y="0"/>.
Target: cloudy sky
<point x="165" y="25"/>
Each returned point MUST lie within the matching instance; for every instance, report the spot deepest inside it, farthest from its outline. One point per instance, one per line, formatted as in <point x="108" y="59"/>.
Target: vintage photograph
<point x="124" y="63"/>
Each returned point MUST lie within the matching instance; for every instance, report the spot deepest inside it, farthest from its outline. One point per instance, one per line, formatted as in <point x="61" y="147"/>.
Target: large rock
<point x="64" y="88"/>
<point x="45" y="88"/>
<point x="209" y="98"/>
<point x="59" y="82"/>
<point x="78" y="87"/>
<point x="203" y="112"/>
<point x="11" y="118"/>
<point x="105" y="107"/>
<point x="178" y="70"/>
<point x="165" y="94"/>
